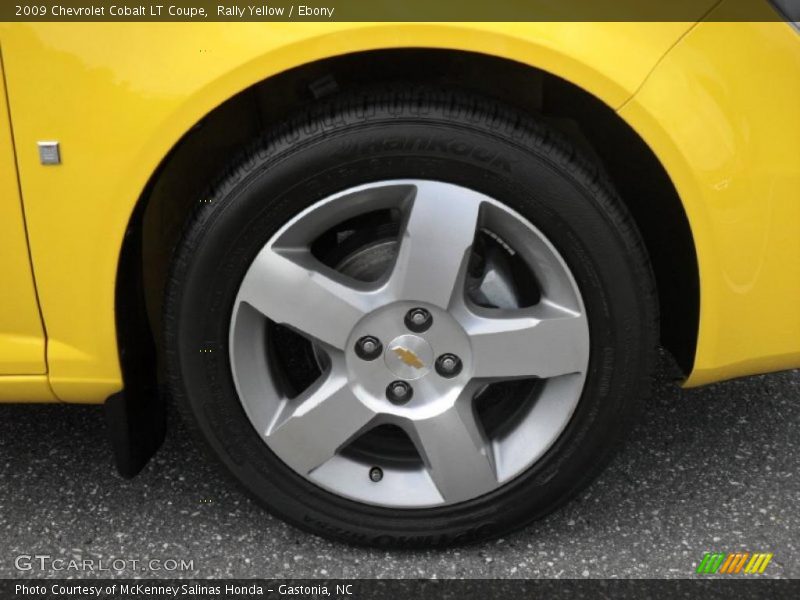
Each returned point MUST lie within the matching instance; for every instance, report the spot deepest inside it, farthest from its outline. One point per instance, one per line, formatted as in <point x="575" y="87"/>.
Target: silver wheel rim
<point x="546" y="343"/>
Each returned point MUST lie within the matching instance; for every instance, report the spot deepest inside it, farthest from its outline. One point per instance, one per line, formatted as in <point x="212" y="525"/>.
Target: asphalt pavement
<point x="716" y="468"/>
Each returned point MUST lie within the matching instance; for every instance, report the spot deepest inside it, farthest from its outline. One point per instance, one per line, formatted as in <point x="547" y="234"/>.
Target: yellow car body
<point x="717" y="102"/>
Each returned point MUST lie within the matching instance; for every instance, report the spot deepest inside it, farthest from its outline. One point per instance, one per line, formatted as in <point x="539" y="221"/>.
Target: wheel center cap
<point x="409" y="356"/>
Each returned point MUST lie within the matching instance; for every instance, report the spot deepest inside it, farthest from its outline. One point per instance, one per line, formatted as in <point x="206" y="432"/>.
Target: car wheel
<point x="409" y="317"/>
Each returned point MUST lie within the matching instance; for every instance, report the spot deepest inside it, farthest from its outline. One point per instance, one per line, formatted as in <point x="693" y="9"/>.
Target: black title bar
<point x="388" y="10"/>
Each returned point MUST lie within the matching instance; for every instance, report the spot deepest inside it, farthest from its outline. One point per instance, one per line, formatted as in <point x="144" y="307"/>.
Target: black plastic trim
<point x="136" y="416"/>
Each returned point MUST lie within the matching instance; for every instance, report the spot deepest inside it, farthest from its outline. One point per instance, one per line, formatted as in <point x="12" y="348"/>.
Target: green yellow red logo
<point x="733" y="563"/>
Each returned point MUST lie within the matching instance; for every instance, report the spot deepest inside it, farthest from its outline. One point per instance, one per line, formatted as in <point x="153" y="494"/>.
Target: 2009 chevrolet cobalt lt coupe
<point x="406" y="280"/>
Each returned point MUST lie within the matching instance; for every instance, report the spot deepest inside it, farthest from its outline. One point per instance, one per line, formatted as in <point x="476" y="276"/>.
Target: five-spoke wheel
<point x="410" y="318"/>
<point x="440" y="348"/>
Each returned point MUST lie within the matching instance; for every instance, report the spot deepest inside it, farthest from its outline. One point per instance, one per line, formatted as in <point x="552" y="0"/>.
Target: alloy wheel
<point x="421" y="350"/>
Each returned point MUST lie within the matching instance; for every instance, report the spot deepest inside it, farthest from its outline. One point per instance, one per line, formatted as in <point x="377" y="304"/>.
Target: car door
<point x="22" y="340"/>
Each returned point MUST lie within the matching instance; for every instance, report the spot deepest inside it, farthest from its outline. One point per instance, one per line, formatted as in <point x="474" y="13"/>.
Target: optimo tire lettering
<point x="460" y="148"/>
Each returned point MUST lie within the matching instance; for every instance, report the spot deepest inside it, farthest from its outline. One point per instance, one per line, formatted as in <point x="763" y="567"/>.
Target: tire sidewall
<point x="293" y="172"/>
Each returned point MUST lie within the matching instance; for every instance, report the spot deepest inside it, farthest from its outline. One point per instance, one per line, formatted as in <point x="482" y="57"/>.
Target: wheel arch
<point x="206" y="144"/>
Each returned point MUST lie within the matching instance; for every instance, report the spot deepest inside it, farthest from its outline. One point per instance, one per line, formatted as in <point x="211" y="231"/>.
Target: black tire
<point x="413" y="133"/>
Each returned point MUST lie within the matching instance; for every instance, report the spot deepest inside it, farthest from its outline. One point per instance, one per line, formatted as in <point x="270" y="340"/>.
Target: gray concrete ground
<point x="716" y="468"/>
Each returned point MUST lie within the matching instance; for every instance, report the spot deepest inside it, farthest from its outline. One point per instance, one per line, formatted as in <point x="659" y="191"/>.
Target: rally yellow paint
<point x="719" y="110"/>
<point x="21" y="335"/>
<point x="118" y="96"/>
<point x="721" y="113"/>
<point x="25" y="388"/>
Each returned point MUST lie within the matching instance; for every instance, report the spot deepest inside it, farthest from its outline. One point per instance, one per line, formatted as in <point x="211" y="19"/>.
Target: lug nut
<point x="369" y="347"/>
<point x="448" y="365"/>
<point x="375" y="474"/>
<point x="399" y="392"/>
<point x="418" y="320"/>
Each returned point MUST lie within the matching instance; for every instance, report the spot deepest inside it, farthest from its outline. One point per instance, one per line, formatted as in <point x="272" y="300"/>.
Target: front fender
<point x="721" y="113"/>
<point x="119" y="96"/>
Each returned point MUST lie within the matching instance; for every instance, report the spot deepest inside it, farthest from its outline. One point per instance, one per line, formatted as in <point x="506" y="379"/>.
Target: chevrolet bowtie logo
<point x="408" y="357"/>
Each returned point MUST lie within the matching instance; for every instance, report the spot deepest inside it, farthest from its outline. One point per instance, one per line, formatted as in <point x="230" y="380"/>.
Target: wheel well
<point x="205" y="150"/>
